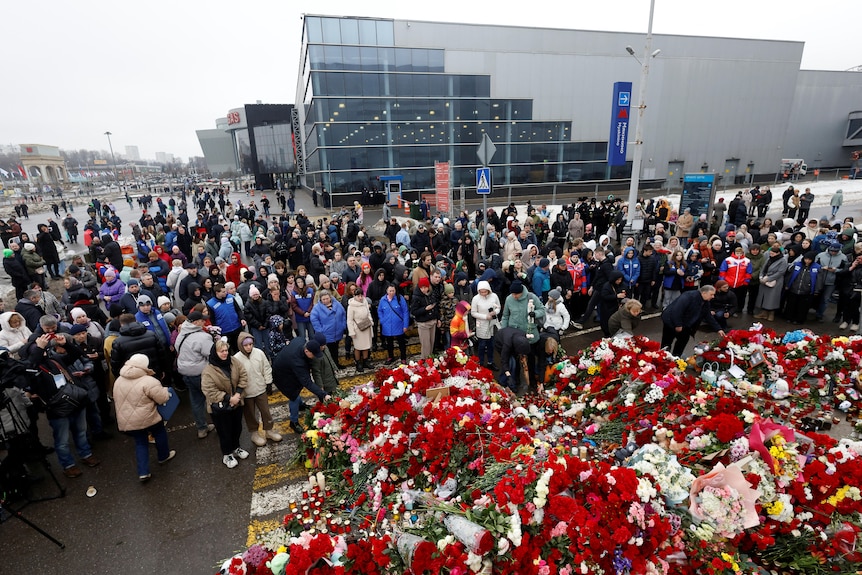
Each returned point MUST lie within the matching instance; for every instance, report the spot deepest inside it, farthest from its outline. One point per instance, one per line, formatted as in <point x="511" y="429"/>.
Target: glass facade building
<point x="371" y="108"/>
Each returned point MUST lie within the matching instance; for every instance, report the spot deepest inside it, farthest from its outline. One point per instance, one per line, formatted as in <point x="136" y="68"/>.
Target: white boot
<point x="258" y="438"/>
<point x="272" y="435"/>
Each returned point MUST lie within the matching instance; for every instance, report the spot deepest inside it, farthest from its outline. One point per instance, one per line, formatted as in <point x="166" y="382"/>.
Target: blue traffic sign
<point x="483" y="181"/>
<point x="625" y="97"/>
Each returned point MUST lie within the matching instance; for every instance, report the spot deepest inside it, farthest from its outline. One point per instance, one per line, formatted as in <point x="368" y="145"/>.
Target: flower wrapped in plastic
<point x="412" y="547"/>
<point x="476" y="538"/>
<point x="674" y="479"/>
<point x="774" y="443"/>
<point x="725" y="499"/>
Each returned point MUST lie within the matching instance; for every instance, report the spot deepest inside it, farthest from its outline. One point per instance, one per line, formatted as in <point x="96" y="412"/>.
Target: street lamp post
<point x="637" y="159"/>
<point x="113" y="160"/>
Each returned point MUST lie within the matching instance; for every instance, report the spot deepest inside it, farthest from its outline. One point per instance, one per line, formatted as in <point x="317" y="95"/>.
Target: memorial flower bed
<point x="632" y="461"/>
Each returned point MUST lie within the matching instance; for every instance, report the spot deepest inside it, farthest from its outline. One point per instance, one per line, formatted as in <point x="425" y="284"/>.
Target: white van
<point x="793" y="168"/>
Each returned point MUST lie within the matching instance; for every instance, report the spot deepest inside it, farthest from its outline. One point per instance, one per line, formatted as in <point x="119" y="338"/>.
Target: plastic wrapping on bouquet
<point x="407" y="544"/>
<point x="475" y="537"/>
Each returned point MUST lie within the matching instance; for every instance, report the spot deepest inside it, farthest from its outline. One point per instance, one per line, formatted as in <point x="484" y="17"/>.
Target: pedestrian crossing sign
<point x="483" y="181"/>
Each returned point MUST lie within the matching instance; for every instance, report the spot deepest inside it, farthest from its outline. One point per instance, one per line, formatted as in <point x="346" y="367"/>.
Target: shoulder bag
<point x="69" y="398"/>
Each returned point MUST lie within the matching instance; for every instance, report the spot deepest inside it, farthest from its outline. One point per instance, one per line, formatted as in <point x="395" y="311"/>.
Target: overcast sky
<point x="153" y="72"/>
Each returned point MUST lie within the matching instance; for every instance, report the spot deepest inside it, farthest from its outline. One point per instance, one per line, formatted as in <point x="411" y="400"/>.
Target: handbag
<point x="364" y="323"/>
<point x="167" y="410"/>
<point x="222" y="406"/>
<point x="69" y="398"/>
<point x="40" y="270"/>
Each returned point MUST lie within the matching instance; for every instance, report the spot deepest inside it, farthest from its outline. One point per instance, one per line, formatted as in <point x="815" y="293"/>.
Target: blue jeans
<point x="484" y="350"/>
<point x="827" y="292"/>
<point x="261" y="339"/>
<point x="304" y="329"/>
<point x="67" y="429"/>
<point x="142" y="445"/>
<point x="294" y="403"/>
<point x="198" y="401"/>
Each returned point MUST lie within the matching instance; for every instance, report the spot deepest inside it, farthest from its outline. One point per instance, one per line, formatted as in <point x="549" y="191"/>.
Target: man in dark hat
<point x="291" y="371"/>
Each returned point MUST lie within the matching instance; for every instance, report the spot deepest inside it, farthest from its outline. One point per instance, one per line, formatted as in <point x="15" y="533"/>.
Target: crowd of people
<point x="235" y="301"/>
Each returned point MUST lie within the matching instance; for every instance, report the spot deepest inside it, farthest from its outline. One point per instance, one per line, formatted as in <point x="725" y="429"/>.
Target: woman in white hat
<point x="136" y="395"/>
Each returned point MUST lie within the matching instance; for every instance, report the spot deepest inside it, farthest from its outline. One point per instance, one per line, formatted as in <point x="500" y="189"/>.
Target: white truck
<point x="792" y="168"/>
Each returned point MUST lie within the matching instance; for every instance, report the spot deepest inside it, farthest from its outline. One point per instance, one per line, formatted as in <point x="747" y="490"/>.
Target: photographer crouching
<point x="64" y="397"/>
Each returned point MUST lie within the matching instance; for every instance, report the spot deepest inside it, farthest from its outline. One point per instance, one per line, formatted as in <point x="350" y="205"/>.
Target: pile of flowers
<point x="633" y="461"/>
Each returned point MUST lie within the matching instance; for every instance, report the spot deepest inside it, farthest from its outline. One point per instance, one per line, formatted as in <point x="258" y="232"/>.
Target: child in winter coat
<point x="277" y="339"/>
<point x="447" y="312"/>
<point x="459" y="328"/>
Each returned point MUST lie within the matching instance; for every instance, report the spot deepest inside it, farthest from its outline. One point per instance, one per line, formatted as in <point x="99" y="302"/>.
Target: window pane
<point x="369" y="59"/>
<point x="483" y="86"/>
<point x="403" y="60"/>
<point x="370" y="84"/>
<point x="403" y="85"/>
<point x="435" y="60"/>
<point x="353" y="84"/>
<point x="349" y="31"/>
<point x="436" y="85"/>
<point x="331" y="30"/>
<point x="420" y="84"/>
<point x="385" y="33"/>
<point x="334" y="84"/>
<point x="312" y="26"/>
<point x="351" y="57"/>
<point x="332" y="57"/>
<point x="386" y="56"/>
<point x="315" y="56"/>
<point x="377" y="158"/>
<point x="420" y="60"/>
<point x="367" y="32"/>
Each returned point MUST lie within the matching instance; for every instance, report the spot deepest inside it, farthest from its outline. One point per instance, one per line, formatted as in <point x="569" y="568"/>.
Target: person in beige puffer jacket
<point x="259" y="372"/>
<point x="136" y="395"/>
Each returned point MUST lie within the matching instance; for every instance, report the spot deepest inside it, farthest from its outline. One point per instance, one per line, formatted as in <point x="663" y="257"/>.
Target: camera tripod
<point x="21" y="448"/>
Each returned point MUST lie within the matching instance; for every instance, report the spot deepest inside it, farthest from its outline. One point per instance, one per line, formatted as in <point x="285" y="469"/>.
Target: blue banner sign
<point x="619" y="124"/>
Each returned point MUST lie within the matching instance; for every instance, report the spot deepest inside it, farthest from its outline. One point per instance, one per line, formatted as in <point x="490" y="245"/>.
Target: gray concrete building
<point x="392" y="97"/>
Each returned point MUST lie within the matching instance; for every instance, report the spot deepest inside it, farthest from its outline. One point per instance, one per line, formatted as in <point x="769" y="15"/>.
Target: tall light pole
<point x="637" y="160"/>
<point x="113" y="160"/>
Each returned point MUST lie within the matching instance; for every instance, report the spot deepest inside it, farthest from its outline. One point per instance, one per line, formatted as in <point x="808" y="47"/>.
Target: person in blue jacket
<point x="152" y="320"/>
<point x="542" y="279"/>
<point x="630" y="266"/>
<point x="329" y="318"/>
<point x="394" y="315"/>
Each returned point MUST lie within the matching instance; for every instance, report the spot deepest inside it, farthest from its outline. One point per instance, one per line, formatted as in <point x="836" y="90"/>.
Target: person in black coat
<point x="112" y="252"/>
<point x="184" y="242"/>
<point x="48" y="251"/>
<point x="291" y="371"/>
<point x="682" y="317"/>
<point x="612" y="294"/>
<point x="649" y="275"/>
<point x="514" y="349"/>
<point x="16" y="271"/>
<point x="28" y="307"/>
<point x="135" y="338"/>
